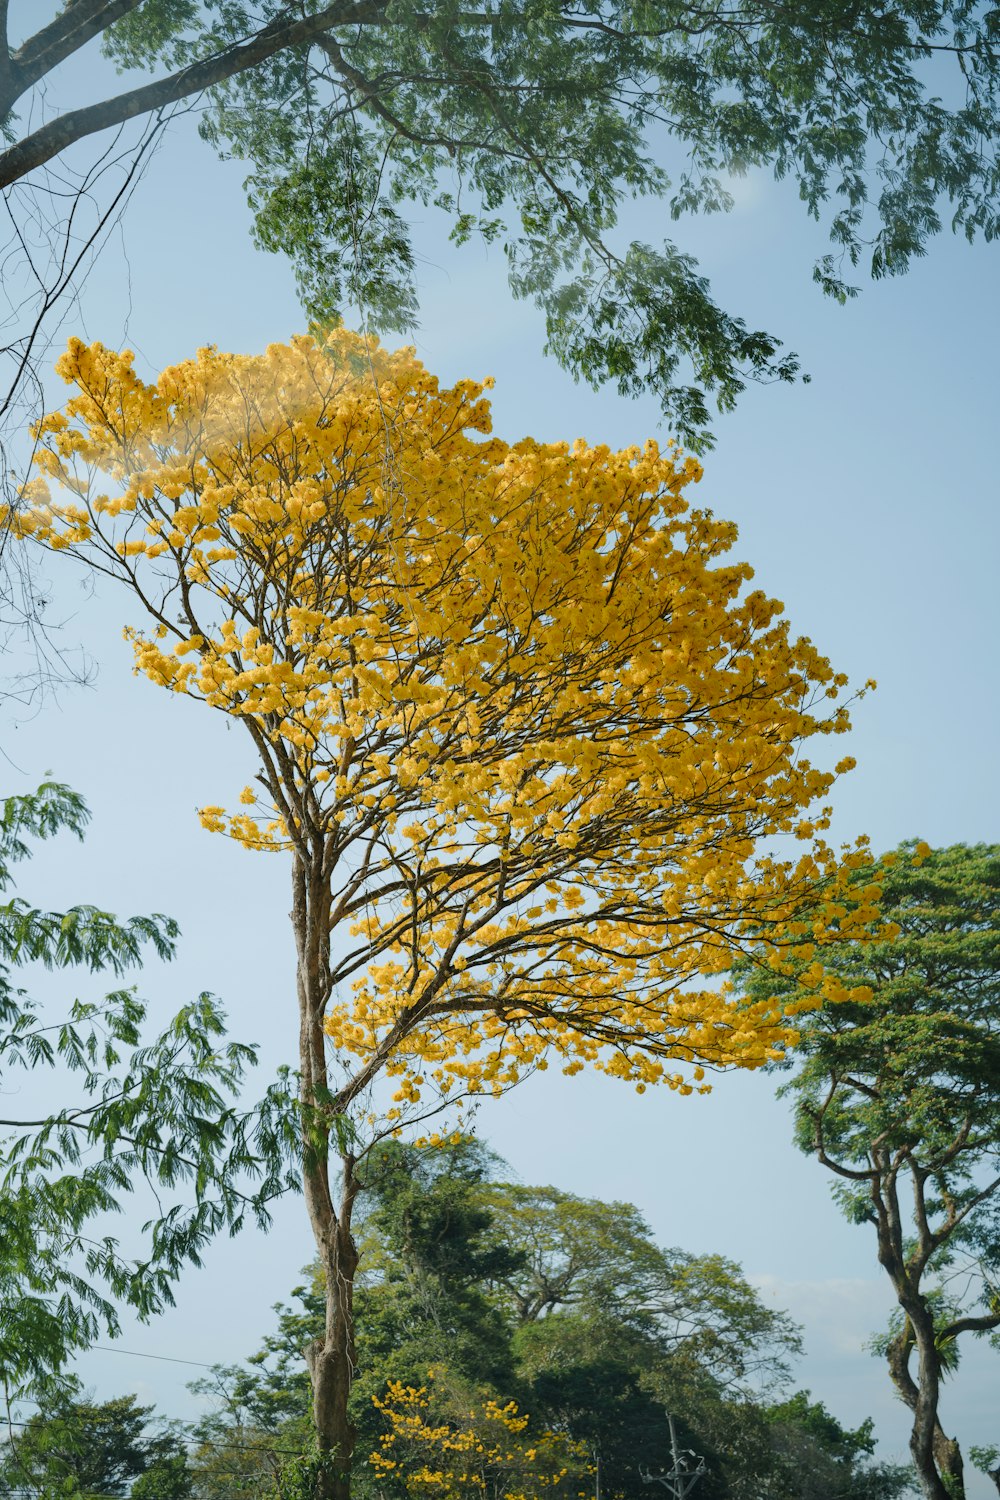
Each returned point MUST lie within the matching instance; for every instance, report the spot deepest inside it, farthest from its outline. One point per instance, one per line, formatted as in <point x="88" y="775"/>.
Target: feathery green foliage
<point x="534" y="124"/>
<point x="162" y="1113"/>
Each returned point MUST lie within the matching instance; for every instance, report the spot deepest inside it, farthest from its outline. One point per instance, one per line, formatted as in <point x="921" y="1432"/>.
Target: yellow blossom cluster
<point x="429" y="1448"/>
<point x="525" y="726"/>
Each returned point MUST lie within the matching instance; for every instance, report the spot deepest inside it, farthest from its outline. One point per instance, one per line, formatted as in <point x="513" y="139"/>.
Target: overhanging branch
<point x="51" y="139"/>
<point x="70" y="30"/>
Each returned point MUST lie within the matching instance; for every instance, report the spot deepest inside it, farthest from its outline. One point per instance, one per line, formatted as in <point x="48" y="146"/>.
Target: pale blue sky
<point x="866" y="500"/>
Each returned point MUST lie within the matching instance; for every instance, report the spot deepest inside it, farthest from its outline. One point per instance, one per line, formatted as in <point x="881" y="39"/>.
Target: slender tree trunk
<point x="936" y="1457"/>
<point x="330" y="1358"/>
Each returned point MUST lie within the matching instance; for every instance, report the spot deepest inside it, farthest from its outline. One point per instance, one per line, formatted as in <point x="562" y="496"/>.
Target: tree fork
<point x="936" y="1457"/>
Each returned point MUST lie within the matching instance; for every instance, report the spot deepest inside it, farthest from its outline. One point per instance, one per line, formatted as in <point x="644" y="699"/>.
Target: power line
<point x="170" y="1359"/>
<point x="198" y="1443"/>
<point x="33" y="1493"/>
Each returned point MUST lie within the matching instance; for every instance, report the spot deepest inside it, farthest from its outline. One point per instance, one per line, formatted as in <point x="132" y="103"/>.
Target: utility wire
<point x="170" y="1359"/>
<point x="198" y="1442"/>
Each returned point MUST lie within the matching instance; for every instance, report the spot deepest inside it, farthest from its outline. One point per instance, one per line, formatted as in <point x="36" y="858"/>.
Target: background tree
<point x="900" y="1099"/>
<point x="988" y="1459"/>
<point x="601" y="1378"/>
<point x="819" y="1458"/>
<point x="518" y="725"/>
<point x="431" y="1253"/>
<point x="163" y="1112"/>
<point x="600" y="1258"/>
<point x="530" y="124"/>
<point x="78" y="1448"/>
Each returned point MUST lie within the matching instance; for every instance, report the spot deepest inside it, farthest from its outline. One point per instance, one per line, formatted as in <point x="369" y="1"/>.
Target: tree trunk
<point x="937" y="1458"/>
<point x="331" y="1358"/>
<point x="950" y="1465"/>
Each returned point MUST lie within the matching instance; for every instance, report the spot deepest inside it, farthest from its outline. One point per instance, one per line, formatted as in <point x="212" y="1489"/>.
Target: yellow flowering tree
<point x="522" y="727"/>
<point x="486" y="1452"/>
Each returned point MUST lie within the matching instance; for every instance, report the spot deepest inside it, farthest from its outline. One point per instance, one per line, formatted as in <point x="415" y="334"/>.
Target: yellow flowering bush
<point x="521" y="721"/>
<point x="484" y="1453"/>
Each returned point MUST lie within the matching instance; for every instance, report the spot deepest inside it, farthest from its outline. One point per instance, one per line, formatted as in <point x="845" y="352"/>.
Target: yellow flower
<point x="521" y="713"/>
